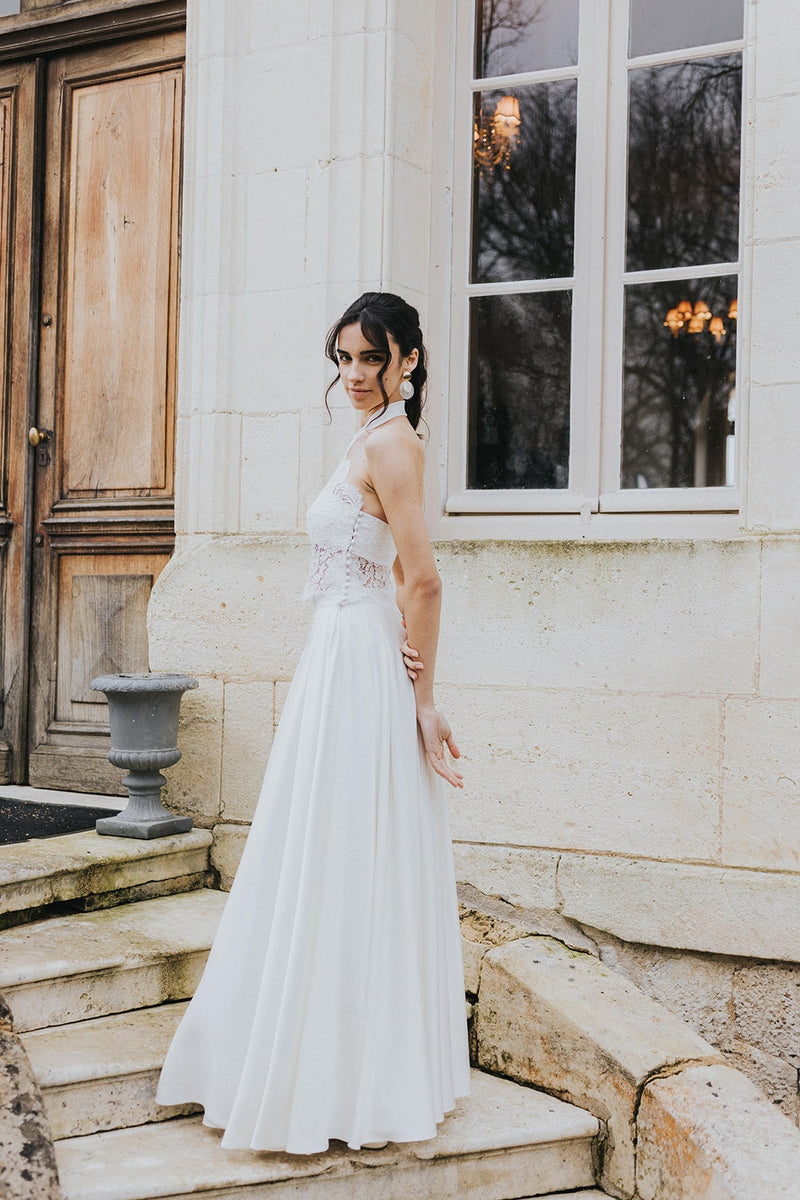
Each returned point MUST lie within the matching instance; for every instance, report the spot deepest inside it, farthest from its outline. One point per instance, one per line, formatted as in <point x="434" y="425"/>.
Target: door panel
<point x="107" y="371"/>
<point x="102" y="629"/>
<point x="122" y="204"/>
<point x="18" y="122"/>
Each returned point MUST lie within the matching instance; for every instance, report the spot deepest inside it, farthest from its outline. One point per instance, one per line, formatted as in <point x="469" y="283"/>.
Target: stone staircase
<point x="97" y="983"/>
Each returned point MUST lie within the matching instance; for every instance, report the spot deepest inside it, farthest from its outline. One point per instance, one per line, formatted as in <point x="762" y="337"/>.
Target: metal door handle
<point x="35" y="436"/>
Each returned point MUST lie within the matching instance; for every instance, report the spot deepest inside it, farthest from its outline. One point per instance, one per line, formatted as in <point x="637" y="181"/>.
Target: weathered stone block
<point x="761" y="785"/>
<point x="521" y="876"/>
<point x="766" y="1007"/>
<point x="494" y="921"/>
<point x="780" y="617"/>
<point x="246" y="743"/>
<point x="774" y="352"/>
<point x="589" y="616"/>
<point x="269" y="496"/>
<point x="776" y="167"/>
<point x="567" y="1023"/>
<point x="228" y="845"/>
<point x="630" y="774"/>
<point x="697" y="988"/>
<point x="473" y="953"/>
<point x="240" y="585"/>
<point x="193" y="784"/>
<point x="773" y="497"/>
<point x="777" y="63"/>
<point x="87" y="965"/>
<point x="680" y="905"/>
<point x="27" y="1158"/>
<point x="776" y="1077"/>
<point x="79" y="866"/>
<point x="207" y="457"/>
<point x="708" y="1133"/>
<point x="260" y="320"/>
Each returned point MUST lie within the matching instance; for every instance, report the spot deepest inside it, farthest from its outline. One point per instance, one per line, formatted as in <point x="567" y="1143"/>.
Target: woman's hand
<point x="436" y="734"/>
<point x="411" y="658"/>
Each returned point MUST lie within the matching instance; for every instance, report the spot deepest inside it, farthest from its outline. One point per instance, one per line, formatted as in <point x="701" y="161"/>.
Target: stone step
<point x="503" y="1142"/>
<point x="102" y="1074"/>
<point x="73" y="968"/>
<point x="85" y="871"/>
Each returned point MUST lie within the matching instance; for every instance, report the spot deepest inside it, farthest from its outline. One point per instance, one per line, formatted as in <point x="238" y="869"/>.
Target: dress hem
<point x="404" y="1139"/>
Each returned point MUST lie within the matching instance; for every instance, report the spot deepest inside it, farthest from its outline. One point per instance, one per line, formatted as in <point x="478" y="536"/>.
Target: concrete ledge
<point x="102" y="1074"/>
<point x="708" y="1132"/>
<point x="739" y="911"/>
<point x="90" y="965"/>
<point x="501" y="1141"/>
<point x="680" y="1124"/>
<point x="36" y="874"/>
<point x="565" y="1022"/>
<point x="495" y="921"/>
<point x="720" y="910"/>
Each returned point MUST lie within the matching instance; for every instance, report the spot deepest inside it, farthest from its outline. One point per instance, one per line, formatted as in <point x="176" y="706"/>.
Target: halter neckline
<point x="395" y="409"/>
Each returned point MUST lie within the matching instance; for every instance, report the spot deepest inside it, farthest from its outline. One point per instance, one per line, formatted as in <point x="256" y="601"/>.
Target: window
<point x="597" y="194"/>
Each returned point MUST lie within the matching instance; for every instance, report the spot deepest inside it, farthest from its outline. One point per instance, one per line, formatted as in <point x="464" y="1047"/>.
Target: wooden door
<point x="103" y="479"/>
<point x="18" y="122"/>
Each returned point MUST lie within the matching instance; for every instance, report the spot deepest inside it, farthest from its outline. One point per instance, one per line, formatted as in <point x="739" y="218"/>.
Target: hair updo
<point x="380" y="314"/>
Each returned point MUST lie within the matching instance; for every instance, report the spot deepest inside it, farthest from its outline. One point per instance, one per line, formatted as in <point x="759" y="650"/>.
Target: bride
<point x="332" y="1003"/>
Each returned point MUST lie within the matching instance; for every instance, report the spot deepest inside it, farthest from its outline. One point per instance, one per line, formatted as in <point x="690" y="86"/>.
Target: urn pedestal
<point x="143" y="713"/>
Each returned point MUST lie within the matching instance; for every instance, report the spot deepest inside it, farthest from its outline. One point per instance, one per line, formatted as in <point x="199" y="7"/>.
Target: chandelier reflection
<point x="697" y="318"/>
<point x="496" y="135"/>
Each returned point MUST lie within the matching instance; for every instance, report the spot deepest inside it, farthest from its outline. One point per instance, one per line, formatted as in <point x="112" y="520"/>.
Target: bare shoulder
<point x="394" y="443"/>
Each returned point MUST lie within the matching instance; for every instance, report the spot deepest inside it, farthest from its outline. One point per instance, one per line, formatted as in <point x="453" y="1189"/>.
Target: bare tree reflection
<point x="525" y="216"/>
<point x="507" y="42"/>
<point x="683" y="208"/>
<point x="677" y="390"/>
<point x="683" y="163"/>
<point x="519" y="385"/>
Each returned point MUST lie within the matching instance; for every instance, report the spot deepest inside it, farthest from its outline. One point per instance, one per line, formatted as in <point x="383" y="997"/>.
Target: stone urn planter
<point x="143" y="713"/>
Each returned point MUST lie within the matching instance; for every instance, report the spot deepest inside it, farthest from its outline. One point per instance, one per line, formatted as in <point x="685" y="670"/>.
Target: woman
<point x="332" y="1004"/>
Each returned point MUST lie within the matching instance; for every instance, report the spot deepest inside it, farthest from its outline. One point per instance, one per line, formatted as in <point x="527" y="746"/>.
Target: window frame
<point x="594" y="505"/>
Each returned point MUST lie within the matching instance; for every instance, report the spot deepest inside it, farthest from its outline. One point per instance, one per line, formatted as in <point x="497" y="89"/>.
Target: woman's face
<point x="359" y="365"/>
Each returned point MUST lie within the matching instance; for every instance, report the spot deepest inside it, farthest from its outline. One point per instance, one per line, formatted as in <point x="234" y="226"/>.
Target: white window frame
<point x="594" y="506"/>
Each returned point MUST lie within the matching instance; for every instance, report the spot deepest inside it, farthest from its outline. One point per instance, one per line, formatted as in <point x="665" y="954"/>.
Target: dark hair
<point x="380" y="314"/>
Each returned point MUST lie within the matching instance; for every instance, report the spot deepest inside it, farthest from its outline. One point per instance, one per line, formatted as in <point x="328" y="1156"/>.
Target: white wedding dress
<point x="332" y="1004"/>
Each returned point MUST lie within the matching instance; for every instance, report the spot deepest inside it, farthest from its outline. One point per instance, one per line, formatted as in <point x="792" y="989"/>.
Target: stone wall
<point x="678" y="1120"/>
<point x="629" y="710"/>
<point x="747" y="1009"/>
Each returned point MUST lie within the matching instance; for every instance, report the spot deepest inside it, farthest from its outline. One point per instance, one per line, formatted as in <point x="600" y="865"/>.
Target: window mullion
<point x="616" y="210"/>
<point x="590" y="187"/>
<point x="458" y="419"/>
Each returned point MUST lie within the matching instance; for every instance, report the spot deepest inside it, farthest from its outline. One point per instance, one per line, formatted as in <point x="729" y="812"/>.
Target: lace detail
<point x="373" y="576"/>
<point x="352" y="552"/>
<point x="322" y="569"/>
<point x="348" y="492"/>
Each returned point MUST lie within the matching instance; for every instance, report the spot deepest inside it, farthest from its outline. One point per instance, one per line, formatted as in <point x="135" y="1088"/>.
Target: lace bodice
<point x="352" y="552"/>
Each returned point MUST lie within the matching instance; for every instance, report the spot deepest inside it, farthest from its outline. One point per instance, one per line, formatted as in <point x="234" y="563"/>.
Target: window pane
<point x="7" y="7"/>
<point x="519" y="391"/>
<point x="683" y="163"/>
<point x="524" y="206"/>
<point x="679" y="384"/>
<point x="656" y="26"/>
<point x="525" y="35"/>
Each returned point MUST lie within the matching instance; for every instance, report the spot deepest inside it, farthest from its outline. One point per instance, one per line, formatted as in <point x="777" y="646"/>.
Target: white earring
<point x="406" y="387"/>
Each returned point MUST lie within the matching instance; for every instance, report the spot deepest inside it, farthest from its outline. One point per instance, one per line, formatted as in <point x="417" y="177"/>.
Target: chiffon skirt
<point x="332" y="1004"/>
